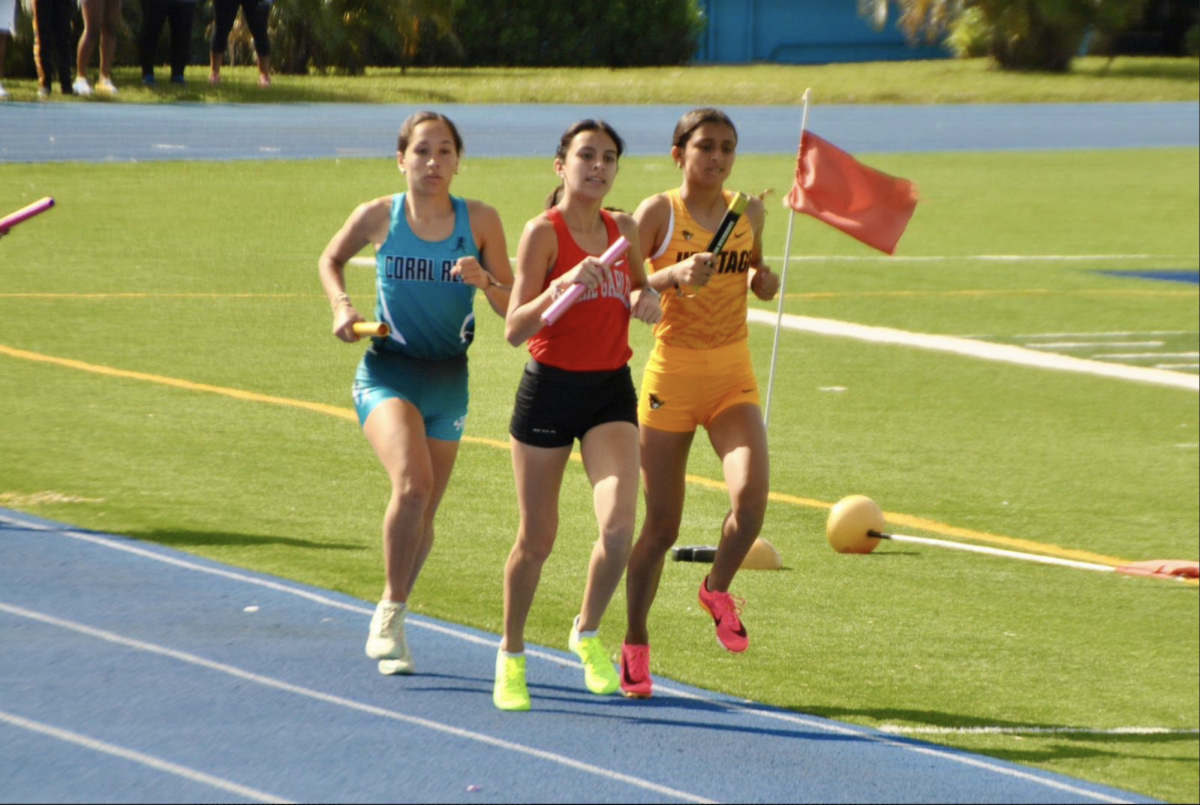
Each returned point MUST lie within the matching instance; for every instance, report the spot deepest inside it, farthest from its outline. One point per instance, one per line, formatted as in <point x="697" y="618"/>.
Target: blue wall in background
<point x="800" y="32"/>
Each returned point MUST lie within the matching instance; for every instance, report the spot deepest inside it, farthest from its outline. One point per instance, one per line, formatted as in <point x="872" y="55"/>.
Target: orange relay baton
<point x="379" y="329"/>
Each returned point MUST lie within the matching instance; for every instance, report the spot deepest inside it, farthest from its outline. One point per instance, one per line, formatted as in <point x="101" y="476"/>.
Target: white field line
<point x="893" y="729"/>
<point x="1092" y="344"/>
<point x="1177" y="366"/>
<point x="789" y="718"/>
<point x="139" y="757"/>
<point x="1142" y="355"/>
<point x="982" y="258"/>
<point x="1103" y="335"/>
<point x="1003" y="353"/>
<point x="1027" y="557"/>
<point x="350" y="704"/>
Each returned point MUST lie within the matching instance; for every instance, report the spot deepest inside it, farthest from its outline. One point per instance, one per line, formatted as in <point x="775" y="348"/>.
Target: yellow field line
<point x="708" y="483"/>
<point x="35" y="295"/>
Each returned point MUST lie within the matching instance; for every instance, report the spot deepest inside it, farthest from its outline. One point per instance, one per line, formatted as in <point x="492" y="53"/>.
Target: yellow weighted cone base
<point x="762" y="556"/>
<point x="850" y="520"/>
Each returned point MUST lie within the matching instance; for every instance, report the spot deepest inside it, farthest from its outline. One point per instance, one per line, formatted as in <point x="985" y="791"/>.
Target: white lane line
<point x="350" y="704"/>
<point x="1091" y="344"/>
<point x="790" y="718"/>
<point x="893" y="729"/>
<point x="1003" y="353"/>
<point x="139" y="757"/>
<point x="413" y="620"/>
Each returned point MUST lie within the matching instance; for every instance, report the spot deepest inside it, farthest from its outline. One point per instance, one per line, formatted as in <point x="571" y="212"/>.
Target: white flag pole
<point x="787" y="251"/>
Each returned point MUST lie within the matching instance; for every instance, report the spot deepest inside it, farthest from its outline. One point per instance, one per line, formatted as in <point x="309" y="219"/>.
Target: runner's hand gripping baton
<point x="25" y="213"/>
<point x="379" y="329"/>
<point x="736" y="207"/>
<point x="571" y="296"/>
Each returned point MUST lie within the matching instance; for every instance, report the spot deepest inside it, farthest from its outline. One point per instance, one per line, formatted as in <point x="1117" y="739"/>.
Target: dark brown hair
<point x="588" y="124"/>
<point x="416" y="119"/>
<point x="694" y="120"/>
<point x="564" y="142"/>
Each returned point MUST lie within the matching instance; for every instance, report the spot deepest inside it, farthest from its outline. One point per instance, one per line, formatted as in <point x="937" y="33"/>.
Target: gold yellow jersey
<point x="716" y="314"/>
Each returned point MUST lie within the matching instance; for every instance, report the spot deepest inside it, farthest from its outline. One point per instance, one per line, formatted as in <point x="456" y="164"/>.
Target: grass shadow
<point x="1160" y="71"/>
<point x="184" y="538"/>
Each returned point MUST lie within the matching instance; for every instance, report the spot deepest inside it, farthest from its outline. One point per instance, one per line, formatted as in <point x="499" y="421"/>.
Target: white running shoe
<point x="106" y="86"/>
<point x="82" y="87"/>
<point x="386" y="641"/>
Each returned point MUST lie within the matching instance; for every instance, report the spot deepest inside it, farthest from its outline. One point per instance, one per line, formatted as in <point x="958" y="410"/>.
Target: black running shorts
<point x="554" y="407"/>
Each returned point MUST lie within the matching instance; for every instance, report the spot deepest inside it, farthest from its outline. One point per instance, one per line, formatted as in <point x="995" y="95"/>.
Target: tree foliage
<point x="616" y="33"/>
<point x="347" y="36"/>
<point x="1016" y="34"/>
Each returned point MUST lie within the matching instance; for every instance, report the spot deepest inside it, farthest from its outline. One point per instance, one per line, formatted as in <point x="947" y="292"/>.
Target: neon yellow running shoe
<point x="598" y="672"/>
<point x="510" y="692"/>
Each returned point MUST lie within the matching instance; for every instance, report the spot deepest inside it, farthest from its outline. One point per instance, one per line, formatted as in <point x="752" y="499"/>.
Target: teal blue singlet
<point x="431" y="315"/>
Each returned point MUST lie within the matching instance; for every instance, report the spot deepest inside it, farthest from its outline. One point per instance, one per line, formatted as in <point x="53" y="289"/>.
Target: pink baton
<point x="25" y="213"/>
<point x="610" y="256"/>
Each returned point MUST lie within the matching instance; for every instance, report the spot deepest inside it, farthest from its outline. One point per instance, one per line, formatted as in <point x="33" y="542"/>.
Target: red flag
<point x="834" y="187"/>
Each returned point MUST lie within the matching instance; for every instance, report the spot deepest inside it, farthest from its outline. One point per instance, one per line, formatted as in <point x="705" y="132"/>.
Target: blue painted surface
<point x="1166" y="275"/>
<point x="97" y="132"/>
<point x="243" y="730"/>
<point x="801" y="32"/>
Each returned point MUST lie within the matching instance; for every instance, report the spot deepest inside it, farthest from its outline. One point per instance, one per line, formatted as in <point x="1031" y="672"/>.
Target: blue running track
<point x="100" y="132"/>
<point x="134" y="673"/>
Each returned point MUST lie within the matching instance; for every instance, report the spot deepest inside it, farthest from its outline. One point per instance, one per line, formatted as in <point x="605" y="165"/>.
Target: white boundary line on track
<point x="944" y="754"/>
<point x="790" y="718"/>
<point x="893" y="729"/>
<point x="1003" y="353"/>
<point x="350" y="704"/>
<point x="139" y="757"/>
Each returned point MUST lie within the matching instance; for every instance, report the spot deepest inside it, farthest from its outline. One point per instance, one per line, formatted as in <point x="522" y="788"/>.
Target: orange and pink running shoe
<point x="635" y="672"/>
<point x="725" y="609"/>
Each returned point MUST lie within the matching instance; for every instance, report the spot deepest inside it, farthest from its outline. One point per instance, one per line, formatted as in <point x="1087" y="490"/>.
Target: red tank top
<point x="593" y="335"/>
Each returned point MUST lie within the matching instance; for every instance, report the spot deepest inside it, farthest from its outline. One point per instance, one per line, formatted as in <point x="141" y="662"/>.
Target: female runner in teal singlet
<point x="433" y="250"/>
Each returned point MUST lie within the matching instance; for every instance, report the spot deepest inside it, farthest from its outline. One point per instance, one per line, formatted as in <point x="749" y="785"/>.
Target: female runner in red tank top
<point x="577" y="386"/>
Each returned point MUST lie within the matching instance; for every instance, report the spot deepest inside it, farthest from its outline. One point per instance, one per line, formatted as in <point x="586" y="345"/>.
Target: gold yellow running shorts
<point x="683" y="388"/>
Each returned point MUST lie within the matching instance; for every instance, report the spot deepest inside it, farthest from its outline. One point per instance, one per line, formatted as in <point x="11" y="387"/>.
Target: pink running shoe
<point x="635" y="672"/>
<point x="724" y="609"/>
